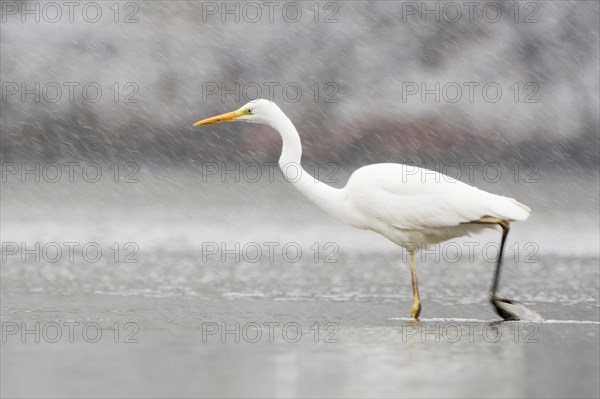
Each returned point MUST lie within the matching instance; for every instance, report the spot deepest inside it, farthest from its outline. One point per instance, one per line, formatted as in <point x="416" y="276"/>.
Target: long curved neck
<point x="326" y="197"/>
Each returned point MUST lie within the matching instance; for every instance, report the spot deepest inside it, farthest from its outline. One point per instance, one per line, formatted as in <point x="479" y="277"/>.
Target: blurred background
<point x="98" y="149"/>
<point x="359" y="68"/>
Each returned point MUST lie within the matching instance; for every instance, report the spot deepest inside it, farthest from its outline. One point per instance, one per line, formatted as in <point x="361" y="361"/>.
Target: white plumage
<point x="410" y="206"/>
<point x="417" y="206"/>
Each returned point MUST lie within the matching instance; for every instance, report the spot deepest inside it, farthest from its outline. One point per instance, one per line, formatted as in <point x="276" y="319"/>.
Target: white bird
<point x="410" y="206"/>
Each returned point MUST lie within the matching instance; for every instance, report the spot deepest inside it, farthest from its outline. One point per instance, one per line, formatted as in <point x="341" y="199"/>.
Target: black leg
<point x="505" y="227"/>
<point x="499" y="304"/>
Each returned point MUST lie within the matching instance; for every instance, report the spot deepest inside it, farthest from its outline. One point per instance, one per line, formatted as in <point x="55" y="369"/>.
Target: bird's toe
<point x="500" y="305"/>
<point x="416" y="310"/>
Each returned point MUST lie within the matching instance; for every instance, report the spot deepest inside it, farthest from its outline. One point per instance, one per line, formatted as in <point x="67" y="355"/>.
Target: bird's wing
<point x="401" y="196"/>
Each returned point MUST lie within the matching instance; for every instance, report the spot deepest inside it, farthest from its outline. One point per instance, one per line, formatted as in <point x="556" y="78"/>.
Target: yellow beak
<point x="227" y="117"/>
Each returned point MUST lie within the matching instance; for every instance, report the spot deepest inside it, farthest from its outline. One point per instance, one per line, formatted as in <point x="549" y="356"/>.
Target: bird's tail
<point x="512" y="209"/>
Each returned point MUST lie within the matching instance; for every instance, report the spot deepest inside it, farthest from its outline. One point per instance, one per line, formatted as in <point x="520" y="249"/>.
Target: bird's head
<point x="256" y="111"/>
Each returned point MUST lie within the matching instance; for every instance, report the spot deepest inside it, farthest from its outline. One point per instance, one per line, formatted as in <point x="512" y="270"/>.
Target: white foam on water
<point x="440" y="319"/>
<point x="459" y="320"/>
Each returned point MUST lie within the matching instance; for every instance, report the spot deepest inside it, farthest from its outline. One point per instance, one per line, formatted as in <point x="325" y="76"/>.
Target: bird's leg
<point x="505" y="228"/>
<point x="499" y="304"/>
<point x="416" y="307"/>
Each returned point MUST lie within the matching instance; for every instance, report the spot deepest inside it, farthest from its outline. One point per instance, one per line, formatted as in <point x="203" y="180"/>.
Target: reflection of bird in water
<point x="412" y="207"/>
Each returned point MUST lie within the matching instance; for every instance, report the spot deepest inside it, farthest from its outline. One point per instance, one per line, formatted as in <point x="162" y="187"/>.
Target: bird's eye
<point x="249" y="111"/>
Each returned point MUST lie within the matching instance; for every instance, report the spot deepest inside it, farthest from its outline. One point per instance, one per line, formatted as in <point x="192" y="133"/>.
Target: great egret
<point x="410" y="209"/>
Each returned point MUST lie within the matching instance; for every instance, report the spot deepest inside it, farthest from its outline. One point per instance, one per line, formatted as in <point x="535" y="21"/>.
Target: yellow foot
<point x="416" y="310"/>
